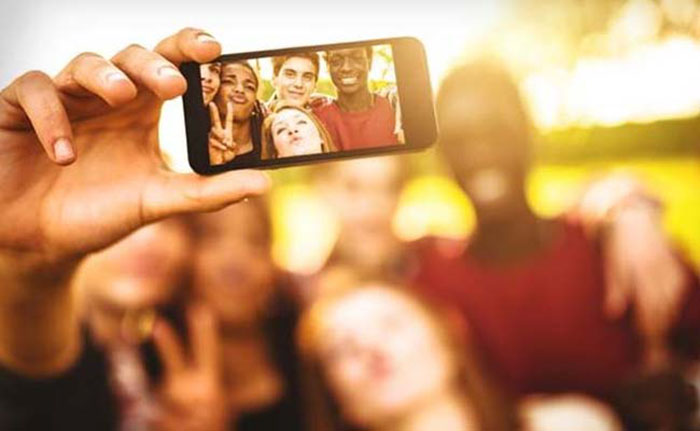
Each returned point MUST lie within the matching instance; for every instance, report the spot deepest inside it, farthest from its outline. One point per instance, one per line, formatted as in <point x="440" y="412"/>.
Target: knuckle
<point x="86" y="56"/>
<point x="130" y="50"/>
<point x="32" y="77"/>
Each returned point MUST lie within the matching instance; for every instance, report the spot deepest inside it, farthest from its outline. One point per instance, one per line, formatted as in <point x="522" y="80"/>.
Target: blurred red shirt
<point x="366" y="129"/>
<point x="539" y="323"/>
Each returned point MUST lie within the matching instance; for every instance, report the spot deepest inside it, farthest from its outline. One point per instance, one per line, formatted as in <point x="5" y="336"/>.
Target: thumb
<point x="169" y="193"/>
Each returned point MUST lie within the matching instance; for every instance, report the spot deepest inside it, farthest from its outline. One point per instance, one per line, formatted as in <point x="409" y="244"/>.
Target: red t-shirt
<point x="539" y="323"/>
<point x="366" y="129"/>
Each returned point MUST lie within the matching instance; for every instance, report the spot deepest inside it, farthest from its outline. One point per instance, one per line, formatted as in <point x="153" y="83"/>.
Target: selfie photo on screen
<point x="301" y="103"/>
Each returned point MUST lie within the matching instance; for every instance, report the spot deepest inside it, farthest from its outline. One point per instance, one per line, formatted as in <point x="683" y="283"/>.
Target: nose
<point x="298" y="82"/>
<point x="346" y="64"/>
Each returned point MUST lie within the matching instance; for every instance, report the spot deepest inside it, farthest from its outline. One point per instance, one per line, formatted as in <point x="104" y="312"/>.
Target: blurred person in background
<point x="122" y="290"/>
<point x="378" y="359"/>
<point x="363" y="195"/>
<point x="233" y="273"/>
<point x="534" y="290"/>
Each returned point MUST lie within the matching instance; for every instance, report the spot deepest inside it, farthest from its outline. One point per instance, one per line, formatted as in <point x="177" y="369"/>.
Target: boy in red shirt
<point x="533" y="290"/>
<point x="358" y="118"/>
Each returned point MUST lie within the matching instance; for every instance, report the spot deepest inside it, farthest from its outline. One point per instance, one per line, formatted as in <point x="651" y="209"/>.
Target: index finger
<point x="229" y="117"/>
<point x="204" y="338"/>
<point x="214" y="114"/>
<point x="189" y="44"/>
<point x="169" y="347"/>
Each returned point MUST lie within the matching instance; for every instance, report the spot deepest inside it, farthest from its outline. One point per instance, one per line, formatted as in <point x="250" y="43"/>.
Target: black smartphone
<point x="310" y="104"/>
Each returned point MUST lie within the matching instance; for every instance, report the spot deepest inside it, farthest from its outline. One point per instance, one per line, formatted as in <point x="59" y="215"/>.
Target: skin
<point x="490" y="161"/>
<point x="295" y="134"/>
<point x="125" y="282"/>
<point x="296" y="81"/>
<point x="383" y="356"/>
<point x="364" y="195"/>
<point x="100" y="117"/>
<point x="349" y="70"/>
<point x="232" y="265"/>
<point x="233" y="273"/>
<point x="210" y="76"/>
<point x="235" y="100"/>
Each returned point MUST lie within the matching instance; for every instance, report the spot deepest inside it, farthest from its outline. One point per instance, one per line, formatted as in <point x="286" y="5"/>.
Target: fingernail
<point x="63" y="151"/>
<point x="167" y="71"/>
<point x="114" y="77"/>
<point x="206" y="38"/>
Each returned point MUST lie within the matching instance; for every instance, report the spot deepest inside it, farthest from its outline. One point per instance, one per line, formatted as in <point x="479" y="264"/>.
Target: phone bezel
<point x="414" y="90"/>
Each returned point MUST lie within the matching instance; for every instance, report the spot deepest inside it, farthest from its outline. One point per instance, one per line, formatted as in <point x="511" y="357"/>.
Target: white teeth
<point x="488" y="185"/>
<point x="349" y="81"/>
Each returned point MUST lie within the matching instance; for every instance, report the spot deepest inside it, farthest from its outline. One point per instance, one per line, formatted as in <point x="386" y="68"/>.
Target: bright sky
<point x="44" y="34"/>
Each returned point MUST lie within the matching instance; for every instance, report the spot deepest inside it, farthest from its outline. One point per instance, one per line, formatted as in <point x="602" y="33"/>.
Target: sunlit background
<point x="614" y="86"/>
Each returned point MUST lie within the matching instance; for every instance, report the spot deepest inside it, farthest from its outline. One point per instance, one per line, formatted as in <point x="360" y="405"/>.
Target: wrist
<point x="32" y="269"/>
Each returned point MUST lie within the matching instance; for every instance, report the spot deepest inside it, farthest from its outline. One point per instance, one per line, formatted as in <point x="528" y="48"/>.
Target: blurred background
<point x="613" y="86"/>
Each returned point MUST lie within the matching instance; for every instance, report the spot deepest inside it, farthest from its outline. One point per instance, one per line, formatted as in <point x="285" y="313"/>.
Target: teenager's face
<point x="296" y="81"/>
<point x="123" y="283"/>
<point x="382" y="355"/>
<point x="210" y="81"/>
<point x="238" y="85"/>
<point x="232" y="266"/>
<point x="488" y="157"/>
<point x="349" y="69"/>
<point x="295" y="134"/>
<point x="364" y="195"/>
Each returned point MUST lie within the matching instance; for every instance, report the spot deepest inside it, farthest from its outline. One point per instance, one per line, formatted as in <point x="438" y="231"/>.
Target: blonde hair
<point x="269" y="151"/>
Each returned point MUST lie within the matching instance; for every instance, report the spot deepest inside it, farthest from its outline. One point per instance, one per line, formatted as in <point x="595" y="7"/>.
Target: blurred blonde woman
<point x="377" y="358"/>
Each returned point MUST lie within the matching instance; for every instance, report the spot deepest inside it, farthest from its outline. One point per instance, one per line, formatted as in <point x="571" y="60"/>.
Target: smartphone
<point x="310" y="104"/>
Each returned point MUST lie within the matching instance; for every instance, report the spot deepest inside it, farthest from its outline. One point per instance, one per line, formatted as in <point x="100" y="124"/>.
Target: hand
<point x="191" y="397"/>
<point x="222" y="147"/>
<point x="80" y="155"/>
<point x="642" y="271"/>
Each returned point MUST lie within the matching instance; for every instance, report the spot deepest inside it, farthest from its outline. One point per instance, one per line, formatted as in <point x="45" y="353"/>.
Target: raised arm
<point x="80" y="168"/>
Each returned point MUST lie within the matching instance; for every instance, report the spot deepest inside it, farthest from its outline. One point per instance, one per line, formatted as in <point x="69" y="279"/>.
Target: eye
<point x="302" y="121"/>
<point x="289" y="73"/>
<point x="280" y="130"/>
<point x="308" y="77"/>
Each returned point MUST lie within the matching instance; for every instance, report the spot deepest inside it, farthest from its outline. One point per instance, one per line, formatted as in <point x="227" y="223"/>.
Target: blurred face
<point x="233" y="270"/>
<point x="488" y="158"/>
<point x="382" y="355"/>
<point x="210" y="81"/>
<point x="238" y="85"/>
<point x="295" y="134"/>
<point x="349" y="69"/>
<point x="123" y="283"/>
<point x="296" y="81"/>
<point x="364" y="194"/>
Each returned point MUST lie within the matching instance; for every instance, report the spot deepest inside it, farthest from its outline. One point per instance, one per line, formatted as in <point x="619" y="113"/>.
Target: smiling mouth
<point x="238" y="99"/>
<point x="349" y="81"/>
<point x="208" y="89"/>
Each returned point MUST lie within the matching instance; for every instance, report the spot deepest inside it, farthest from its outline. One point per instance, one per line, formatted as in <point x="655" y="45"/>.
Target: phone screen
<point x="298" y="106"/>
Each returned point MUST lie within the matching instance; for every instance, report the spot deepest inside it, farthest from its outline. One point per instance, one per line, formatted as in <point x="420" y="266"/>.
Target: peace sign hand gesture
<point x="222" y="147"/>
<point x="191" y="395"/>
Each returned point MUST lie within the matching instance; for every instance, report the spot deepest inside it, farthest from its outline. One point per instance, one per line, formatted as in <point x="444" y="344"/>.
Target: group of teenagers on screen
<point x="297" y="120"/>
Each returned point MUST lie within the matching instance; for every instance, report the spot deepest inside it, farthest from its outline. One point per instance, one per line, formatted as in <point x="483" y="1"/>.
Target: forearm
<point x="39" y="330"/>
